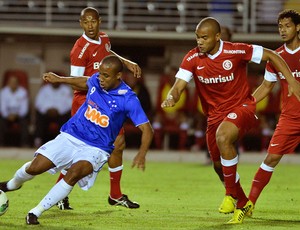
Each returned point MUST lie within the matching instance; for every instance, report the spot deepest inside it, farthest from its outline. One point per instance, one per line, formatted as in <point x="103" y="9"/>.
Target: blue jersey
<point x="100" y="118"/>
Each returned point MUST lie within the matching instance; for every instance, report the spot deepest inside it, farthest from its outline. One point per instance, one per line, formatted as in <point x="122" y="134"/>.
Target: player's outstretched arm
<point x="130" y="65"/>
<point x="281" y="66"/>
<point x="77" y="83"/>
<point x="139" y="160"/>
<point x="263" y="90"/>
<point x="174" y="93"/>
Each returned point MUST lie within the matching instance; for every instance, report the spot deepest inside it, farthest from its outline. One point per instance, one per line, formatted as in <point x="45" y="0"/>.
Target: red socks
<point x="260" y="180"/>
<point x="115" y="178"/>
<point x="229" y="173"/>
<point x="242" y="198"/>
<point x="60" y="177"/>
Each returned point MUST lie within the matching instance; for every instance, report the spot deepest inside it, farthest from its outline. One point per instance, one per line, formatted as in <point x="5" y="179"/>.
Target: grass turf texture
<point x="171" y="195"/>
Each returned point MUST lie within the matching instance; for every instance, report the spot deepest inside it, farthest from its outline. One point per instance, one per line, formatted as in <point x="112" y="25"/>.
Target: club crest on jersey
<point x="96" y="117"/>
<point x="227" y="64"/>
<point x="122" y="91"/>
<point x="232" y="116"/>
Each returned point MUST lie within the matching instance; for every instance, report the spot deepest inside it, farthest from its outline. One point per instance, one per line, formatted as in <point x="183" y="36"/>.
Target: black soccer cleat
<point x="3" y="187"/>
<point x="64" y="204"/>
<point x="31" y="219"/>
<point x="123" y="201"/>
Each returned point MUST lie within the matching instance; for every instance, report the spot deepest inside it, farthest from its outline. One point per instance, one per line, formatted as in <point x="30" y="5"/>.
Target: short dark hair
<point x="113" y="61"/>
<point x="89" y="9"/>
<point x="288" y="13"/>
<point x="213" y="22"/>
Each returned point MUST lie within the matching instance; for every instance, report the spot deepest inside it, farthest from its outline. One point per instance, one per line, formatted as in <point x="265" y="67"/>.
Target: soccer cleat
<point x="240" y="213"/>
<point x="64" y="204"/>
<point x="228" y="205"/>
<point x="3" y="187"/>
<point x="123" y="201"/>
<point x="250" y="212"/>
<point x="31" y="219"/>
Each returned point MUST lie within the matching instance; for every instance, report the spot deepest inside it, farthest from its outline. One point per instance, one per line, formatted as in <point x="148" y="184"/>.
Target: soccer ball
<point x="3" y="203"/>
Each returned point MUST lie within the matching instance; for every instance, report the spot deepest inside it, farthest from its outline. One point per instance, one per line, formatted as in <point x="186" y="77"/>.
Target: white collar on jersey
<point x="91" y="40"/>
<point x="291" y="51"/>
<point x="219" y="51"/>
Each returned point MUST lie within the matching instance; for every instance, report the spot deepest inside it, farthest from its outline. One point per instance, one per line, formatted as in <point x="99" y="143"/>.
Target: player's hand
<point x="169" y="102"/>
<point x="139" y="161"/>
<point x="134" y="68"/>
<point x="51" y="77"/>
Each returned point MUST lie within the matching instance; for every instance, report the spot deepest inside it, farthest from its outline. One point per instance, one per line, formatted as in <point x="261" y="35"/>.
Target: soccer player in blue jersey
<point x="86" y="140"/>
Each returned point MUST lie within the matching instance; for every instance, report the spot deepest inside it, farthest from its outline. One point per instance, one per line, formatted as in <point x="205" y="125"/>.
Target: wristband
<point x="170" y="97"/>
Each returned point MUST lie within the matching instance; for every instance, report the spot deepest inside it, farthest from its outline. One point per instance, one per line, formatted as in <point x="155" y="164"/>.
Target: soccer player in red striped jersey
<point x="287" y="133"/>
<point x="86" y="55"/>
<point x="219" y="70"/>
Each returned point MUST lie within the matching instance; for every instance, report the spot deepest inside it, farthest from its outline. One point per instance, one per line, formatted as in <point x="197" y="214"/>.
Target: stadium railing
<point x="242" y="16"/>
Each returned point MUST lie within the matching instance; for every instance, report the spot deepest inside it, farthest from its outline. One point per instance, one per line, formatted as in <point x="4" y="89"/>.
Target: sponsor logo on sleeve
<point x="192" y="56"/>
<point x="83" y="50"/>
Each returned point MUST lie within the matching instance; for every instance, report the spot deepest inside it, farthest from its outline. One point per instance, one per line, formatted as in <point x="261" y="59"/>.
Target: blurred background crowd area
<point x="37" y="36"/>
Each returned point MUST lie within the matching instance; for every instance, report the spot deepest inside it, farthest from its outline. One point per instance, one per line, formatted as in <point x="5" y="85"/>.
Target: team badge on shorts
<point x="232" y="116"/>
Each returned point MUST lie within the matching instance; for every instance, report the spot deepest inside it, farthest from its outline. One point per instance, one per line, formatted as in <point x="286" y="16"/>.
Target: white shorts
<point x="66" y="150"/>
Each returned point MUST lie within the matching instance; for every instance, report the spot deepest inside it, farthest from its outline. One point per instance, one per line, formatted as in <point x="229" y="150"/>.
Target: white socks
<point x="266" y="167"/>
<point x="231" y="162"/>
<point x="115" y="169"/>
<point x="58" y="192"/>
<point x="20" y="177"/>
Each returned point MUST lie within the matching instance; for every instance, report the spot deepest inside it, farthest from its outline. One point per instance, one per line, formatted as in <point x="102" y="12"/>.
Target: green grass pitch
<point x="172" y="196"/>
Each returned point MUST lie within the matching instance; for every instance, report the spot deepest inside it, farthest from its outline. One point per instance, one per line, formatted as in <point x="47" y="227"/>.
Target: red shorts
<point x="286" y="137"/>
<point x="243" y="117"/>
<point x="78" y="100"/>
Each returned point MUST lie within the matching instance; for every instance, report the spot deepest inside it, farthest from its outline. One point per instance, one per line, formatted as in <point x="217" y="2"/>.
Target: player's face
<point x="90" y="23"/>
<point x="207" y="39"/>
<point x="287" y="29"/>
<point x="108" y="79"/>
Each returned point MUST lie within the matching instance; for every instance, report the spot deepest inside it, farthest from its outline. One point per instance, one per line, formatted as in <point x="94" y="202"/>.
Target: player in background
<point x="86" y="55"/>
<point x="86" y="139"/>
<point x="287" y="133"/>
<point x="219" y="70"/>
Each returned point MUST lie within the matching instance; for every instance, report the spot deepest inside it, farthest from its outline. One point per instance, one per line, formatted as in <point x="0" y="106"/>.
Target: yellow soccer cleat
<point x="240" y="213"/>
<point x="228" y="205"/>
<point x="250" y="212"/>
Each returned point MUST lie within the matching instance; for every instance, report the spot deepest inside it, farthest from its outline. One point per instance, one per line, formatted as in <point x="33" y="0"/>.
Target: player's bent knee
<point x="77" y="171"/>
